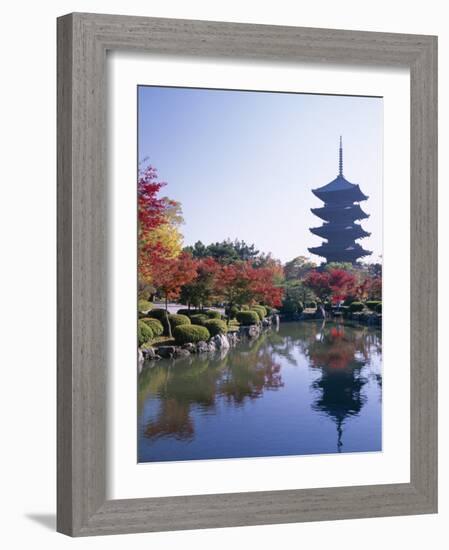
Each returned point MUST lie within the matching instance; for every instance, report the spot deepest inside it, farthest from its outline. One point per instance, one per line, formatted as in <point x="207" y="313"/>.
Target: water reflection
<point x="265" y="398"/>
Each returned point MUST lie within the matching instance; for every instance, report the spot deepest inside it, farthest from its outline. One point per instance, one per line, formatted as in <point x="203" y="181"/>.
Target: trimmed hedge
<point x="144" y="332"/>
<point x="216" y="326"/>
<point x="158" y="313"/>
<point x="261" y="310"/>
<point x="379" y="307"/>
<point x="198" y="319"/>
<point x="155" y="325"/>
<point x="355" y="307"/>
<point x="187" y="312"/>
<point x="269" y="310"/>
<point x="177" y="320"/>
<point x="144" y="305"/>
<point x="213" y="314"/>
<point x="372" y="304"/>
<point x="248" y="317"/>
<point x="185" y="334"/>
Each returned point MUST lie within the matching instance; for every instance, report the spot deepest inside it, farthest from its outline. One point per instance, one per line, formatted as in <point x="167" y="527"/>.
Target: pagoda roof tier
<point x="339" y="253"/>
<point x="346" y="230"/>
<point x="340" y="190"/>
<point x="340" y="213"/>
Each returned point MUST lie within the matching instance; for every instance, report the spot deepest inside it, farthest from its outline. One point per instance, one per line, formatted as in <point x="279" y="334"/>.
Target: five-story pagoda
<point x="340" y="212"/>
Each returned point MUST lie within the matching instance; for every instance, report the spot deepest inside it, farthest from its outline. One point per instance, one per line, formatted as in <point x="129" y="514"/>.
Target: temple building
<point x="340" y="212"/>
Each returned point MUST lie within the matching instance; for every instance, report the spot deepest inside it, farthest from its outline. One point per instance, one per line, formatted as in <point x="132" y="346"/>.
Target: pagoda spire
<point x="340" y="159"/>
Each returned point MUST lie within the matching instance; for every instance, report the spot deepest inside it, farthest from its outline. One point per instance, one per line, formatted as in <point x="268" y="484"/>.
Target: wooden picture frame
<point x="83" y="40"/>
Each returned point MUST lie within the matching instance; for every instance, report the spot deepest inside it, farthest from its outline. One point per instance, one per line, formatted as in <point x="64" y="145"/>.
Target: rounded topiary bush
<point x="198" y="319"/>
<point x="372" y="304"/>
<point x="248" y="317"/>
<point x="187" y="312"/>
<point x="213" y="314"/>
<point x="216" y="326"/>
<point x="269" y="310"/>
<point x="177" y="320"/>
<point x="354" y="307"/>
<point x="158" y="313"/>
<point x="144" y="305"/>
<point x="261" y="309"/>
<point x="232" y="312"/>
<point x="144" y="332"/>
<point x="185" y="334"/>
<point x="155" y="325"/>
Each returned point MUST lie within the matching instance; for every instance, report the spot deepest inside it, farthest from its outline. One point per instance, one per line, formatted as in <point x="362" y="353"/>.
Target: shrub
<point x="379" y="307"/>
<point x="158" y="314"/>
<point x="190" y="334"/>
<point x="232" y="311"/>
<point x="187" y="312"/>
<point x="198" y="319"/>
<point x="269" y="310"/>
<point x="216" y="326"/>
<point x="372" y="304"/>
<point x="155" y="325"/>
<point x="213" y="314"/>
<point x="248" y="317"/>
<point x="176" y="320"/>
<point x="291" y="306"/>
<point x="144" y="305"/>
<point x="261" y="310"/>
<point x="144" y="332"/>
<point x="258" y="313"/>
<point x="355" y="307"/>
<point x="244" y="307"/>
<point x="311" y="304"/>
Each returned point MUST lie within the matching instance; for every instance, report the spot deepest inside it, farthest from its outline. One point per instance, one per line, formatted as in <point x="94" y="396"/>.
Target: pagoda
<point x="340" y="212"/>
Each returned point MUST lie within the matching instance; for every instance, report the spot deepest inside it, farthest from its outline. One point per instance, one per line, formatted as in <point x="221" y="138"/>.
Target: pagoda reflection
<point x="340" y="357"/>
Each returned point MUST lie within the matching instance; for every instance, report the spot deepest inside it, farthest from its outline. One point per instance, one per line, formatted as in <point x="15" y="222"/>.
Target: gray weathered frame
<point x="83" y="40"/>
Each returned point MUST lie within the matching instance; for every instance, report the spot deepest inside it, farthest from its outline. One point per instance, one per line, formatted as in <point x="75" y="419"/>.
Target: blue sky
<point x="243" y="164"/>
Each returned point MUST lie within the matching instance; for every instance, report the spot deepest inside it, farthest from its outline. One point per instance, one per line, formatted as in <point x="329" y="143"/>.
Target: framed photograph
<point x="247" y="274"/>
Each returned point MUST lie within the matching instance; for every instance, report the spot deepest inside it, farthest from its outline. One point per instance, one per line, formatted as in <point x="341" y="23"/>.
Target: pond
<point x="305" y="388"/>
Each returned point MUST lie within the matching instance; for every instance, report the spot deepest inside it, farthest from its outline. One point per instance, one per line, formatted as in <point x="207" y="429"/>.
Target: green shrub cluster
<point x="158" y="314"/>
<point x="269" y="310"/>
<point x="176" y="320"/>
<point x="356" y="306"/>
<point x="216" y="326"/>
<point x="155" y="325"/>
<point x="232" y="312"/>
<point x="184" y="334"/>
<point x="198" y="319"/>
<point x="379" y="307"/>
<point x="144" y="305"/>
<point x="261" y="311"/>
<point x="248" y="317"/>
<point x="291" y="306"/>
<point x="311" y="304"/>
<point x="144" y="332"/>
<point x="213" y="314"/>
<point x="372" y="304"/>
<point x="187" y="312"/>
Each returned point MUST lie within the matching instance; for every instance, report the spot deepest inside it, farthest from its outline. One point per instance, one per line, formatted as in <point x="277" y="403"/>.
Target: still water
<point x="307" y="388"/>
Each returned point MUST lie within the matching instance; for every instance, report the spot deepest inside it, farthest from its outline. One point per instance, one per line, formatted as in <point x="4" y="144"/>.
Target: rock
<point x="148" y="353"/>
<point x="189" y="347"/>
<point x="182" y="352"/>
<point x="253" y="331"/>
<point x="211" y="346"/>
<point x="202" y="347"/>
<point x="166" y="351"/>
<point x="221" y="341"/>
<point x="140" y="360"/>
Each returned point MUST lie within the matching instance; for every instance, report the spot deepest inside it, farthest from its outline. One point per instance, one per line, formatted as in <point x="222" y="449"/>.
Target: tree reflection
<point x="195" y="383"/>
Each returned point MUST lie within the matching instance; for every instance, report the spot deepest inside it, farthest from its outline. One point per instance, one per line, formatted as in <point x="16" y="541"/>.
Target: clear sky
<point x="243" y="164"/>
